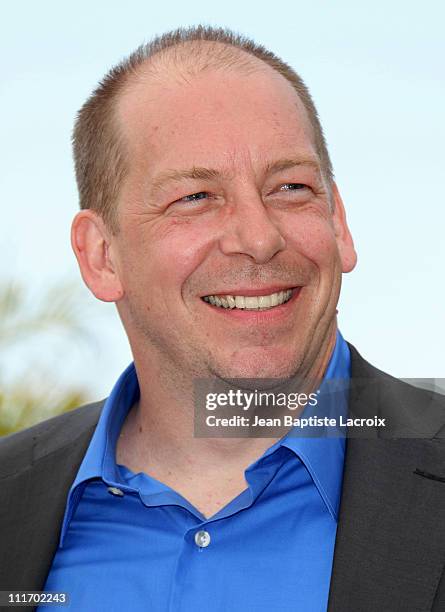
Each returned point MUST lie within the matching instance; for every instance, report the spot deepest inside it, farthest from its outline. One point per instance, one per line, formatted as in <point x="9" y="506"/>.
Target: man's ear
<point x="90" y="240"/>
<point x="342" y="234"/>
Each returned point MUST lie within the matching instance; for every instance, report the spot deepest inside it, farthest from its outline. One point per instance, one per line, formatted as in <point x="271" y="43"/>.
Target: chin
<point x="259" y="363"/>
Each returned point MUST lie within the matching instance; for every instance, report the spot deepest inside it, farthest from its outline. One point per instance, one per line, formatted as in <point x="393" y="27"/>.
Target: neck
<point x="158" y="433"/>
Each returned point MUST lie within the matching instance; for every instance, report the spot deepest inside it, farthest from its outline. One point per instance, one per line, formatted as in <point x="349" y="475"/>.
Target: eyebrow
<point x="207" y="174"/>
<point x="196" y="172"/>
<point x="287" y="164"/>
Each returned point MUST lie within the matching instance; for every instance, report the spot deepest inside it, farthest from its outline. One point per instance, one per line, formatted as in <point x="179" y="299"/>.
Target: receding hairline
<point x="191" y="58"/>
<point x="100" y="139"/>
<point x="194" y="55"/>
<point x="179" y="63"/>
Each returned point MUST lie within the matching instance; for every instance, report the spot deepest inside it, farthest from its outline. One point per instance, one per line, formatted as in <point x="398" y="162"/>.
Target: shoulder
<point x="411" y="411"/>
<point x="22" y="449"/>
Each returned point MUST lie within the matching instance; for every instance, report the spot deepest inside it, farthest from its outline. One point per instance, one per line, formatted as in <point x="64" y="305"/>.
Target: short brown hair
<point x="98" y="145"/>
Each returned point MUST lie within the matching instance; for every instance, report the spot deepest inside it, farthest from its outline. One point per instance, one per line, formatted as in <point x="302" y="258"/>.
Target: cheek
<point x="185" y="240"/>
<point x="314" y="238"/>
<point x="163" y="256"/>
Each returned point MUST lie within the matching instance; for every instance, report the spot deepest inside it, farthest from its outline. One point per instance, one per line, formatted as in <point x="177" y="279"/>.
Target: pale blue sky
<point x="376" y="73"/>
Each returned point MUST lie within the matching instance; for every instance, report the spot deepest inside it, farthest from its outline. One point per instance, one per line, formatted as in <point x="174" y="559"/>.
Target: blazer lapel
<point x="391" y="537"/>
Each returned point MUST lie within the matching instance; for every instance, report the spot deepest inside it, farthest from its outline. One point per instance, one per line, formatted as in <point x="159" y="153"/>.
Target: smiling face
<point x="228" y="256"/>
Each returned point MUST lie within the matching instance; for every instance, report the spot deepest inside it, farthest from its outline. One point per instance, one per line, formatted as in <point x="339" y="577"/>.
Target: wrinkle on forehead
<point x="148" y="104"/>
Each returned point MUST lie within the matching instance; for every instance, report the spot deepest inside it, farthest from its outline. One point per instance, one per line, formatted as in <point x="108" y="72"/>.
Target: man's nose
<point x="250" y="230"/>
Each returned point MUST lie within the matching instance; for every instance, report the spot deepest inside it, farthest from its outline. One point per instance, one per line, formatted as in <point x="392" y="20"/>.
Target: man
<point x="211" y="218"/>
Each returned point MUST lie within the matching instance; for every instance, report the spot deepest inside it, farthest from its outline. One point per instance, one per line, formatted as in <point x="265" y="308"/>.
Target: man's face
<point x="225" y="201"/>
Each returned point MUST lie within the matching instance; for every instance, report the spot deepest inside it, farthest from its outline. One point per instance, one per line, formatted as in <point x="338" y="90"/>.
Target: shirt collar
<point x="322" y="451"/>
<point x="100" y="459"/>
<point x="323" y="457"/>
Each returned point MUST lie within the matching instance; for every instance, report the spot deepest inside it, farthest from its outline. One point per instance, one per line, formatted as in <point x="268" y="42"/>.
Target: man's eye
<point x="293" y="186"/>
<point x="194" y="197"/>
<point x="198" y="202"/>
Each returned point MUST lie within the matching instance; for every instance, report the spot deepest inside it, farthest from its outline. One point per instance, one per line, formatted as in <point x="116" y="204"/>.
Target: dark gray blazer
<point x="390" y="546"/>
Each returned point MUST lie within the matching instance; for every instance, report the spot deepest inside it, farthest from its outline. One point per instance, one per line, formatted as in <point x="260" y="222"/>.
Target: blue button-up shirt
<point x="271" y="548"/>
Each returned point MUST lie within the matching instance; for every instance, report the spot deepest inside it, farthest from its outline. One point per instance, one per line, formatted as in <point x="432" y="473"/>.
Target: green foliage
<point x="50" y="323"/>
<point x="20" y="408"/>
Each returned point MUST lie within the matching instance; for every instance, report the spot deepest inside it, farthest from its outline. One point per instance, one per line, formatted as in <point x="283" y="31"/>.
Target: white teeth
<point x="259" y="302"/>
<point x="251" y="303"/>
<point x="265" y="301"/>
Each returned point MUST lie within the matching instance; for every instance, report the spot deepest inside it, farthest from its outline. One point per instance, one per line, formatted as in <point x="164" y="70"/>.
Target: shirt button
<point x="115" y="491"/>
<point x="202" y="539"/>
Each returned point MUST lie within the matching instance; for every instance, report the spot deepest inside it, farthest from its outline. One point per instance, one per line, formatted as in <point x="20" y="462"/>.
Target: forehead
<point x="231" y="115"/>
